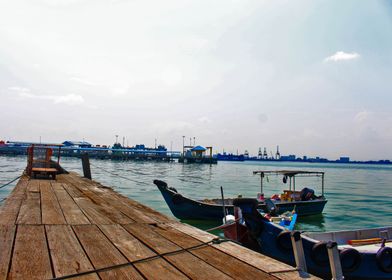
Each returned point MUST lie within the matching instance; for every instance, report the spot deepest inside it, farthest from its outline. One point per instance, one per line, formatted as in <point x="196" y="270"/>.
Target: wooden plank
<point x="253" y="258"/>
<point x="103" y="253"/>
<point x="30" y="210"/>
<point x="94" y="212"/>
<point x="159" y="269"/>
<point x="195" y="268"/>
<point x="30" y="259"/>
<point x="10" y="209"/>
<point x="7" y="234"/>
<point x="107" y="205"/>
<point x="146" y="234"/>
<point x="99" y="204"/>
<point x="69" y="259"/>
<point x="130" y="246"/>
<point x="231" y="266"/>
<point x="72" y="213"/>
<point x="20" y="189"/>
<point x="187" y="263"/>
<point x="153" y="214"/>
<point x="134" y="250"/>
<point x="131" y="208"/>
<point x="51" y="211"/>
<point x="108" y="208"/>
<point x="71" y="190"/>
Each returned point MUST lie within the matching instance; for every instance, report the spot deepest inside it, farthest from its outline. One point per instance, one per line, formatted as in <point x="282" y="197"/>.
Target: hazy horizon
<point x="310" y="76"/>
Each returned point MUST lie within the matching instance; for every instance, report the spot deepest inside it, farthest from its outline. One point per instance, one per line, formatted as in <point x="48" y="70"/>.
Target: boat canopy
<point x="289" y="173"/>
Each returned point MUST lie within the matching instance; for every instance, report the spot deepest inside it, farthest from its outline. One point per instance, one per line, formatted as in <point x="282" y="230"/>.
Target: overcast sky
<point x="313" y="77"/>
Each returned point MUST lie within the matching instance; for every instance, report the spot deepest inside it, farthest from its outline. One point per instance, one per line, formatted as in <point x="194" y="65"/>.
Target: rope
<point x="216" y="240"/>
<point x="103" y="169"/>
<point x="10" y="182"/>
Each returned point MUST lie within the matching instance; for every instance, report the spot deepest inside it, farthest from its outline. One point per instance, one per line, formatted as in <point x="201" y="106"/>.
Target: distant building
<point x="288" y="158"/>
<point x="344" y="159"/>
<point x="77" y="144"/>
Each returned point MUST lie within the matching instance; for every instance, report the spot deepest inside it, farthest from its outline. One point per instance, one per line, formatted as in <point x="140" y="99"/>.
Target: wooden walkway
<point x="52" y="229"/>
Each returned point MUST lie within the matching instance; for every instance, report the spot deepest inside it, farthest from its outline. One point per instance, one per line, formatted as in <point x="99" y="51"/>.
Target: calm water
<point x="358" y="196"/>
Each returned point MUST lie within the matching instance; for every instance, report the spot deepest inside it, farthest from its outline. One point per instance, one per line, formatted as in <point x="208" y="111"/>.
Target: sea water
<point x="359" y="196"/>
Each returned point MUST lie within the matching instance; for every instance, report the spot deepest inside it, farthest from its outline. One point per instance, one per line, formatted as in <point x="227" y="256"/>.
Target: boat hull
<point x="275" y="242"/>
<point x="185" y="208"/>
<point x="302" y="208"/>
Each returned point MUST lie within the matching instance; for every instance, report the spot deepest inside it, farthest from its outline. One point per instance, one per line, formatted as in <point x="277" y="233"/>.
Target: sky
<point x="311" y="76"/>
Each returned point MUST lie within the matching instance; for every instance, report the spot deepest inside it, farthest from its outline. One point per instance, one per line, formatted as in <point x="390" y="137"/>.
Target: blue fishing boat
<point x="185" y="208"/>
<point x="305" y="202"/>
<point x="364" y="254"/>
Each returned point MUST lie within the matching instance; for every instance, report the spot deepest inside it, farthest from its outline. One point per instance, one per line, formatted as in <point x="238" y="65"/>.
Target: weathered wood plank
<point x="103" y="253"/>
<point x="255" y="259"/>
<point x="72" y="213"/>
<point x="30" y="258"/>
<point x="187" y="263"/>
<point x="146" y="234"/>
<point x="30" y="210"/>
<point x="10" y="209"/>
<point x="51" y="211"/>
<point x="130" y="246"/>
<point x="7" y="234"/>
<point x="94" y="212"/>
<point x="99" y="204"/>
<point x="72" y="191"/>
<point x="159" y="269"/>
<point x="231" y="266"/>
<point x="134" y="250"/>
<point x="69" y="259"/>
<point x="131" y="208"/>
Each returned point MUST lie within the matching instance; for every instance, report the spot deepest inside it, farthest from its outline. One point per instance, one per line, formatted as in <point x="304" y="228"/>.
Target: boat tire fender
<point x="319" y="254"/>
<point x="352" y="259"/>
<point x="283" y="240"/>
<point x="177" y="198"/>
<point x="384" y="259"/>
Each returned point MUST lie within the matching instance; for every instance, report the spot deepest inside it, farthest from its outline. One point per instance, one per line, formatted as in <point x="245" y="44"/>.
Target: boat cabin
<point x="289" y="176"/>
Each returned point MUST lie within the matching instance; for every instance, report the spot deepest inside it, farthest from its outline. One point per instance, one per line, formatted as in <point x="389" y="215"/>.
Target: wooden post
<point x="334" y="261"/>
<point x="223" y="205"/>
<point x="86" y="166"/>
<point x="298" y="249"/>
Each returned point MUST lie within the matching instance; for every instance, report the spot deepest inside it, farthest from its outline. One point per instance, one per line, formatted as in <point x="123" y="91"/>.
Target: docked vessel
<point x="304" y="202"/>
<point x="364" y="254"/>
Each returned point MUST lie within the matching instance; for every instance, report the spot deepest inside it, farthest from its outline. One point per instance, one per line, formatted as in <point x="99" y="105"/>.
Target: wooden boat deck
<point x="52" y="229"/>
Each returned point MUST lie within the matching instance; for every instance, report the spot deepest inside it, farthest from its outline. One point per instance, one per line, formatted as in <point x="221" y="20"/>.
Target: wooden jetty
<point x="73" y="227"/>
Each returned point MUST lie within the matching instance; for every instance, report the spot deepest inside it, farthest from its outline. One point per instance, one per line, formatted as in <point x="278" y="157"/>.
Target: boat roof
<point x="289" y="173"/>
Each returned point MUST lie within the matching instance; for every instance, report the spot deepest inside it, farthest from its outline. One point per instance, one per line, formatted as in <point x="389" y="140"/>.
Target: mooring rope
<point x="112" y="173"/>
<point x="10" y="182"/>
<point x="216" y="240"/>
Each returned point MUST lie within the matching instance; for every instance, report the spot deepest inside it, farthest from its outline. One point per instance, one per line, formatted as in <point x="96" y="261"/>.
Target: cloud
<point x="342" y="56"/>
<point x="204" y="120"/>
<point x="362" y="116"/>
<point x="262" y="118"/>
<point x="69" y="99"/>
